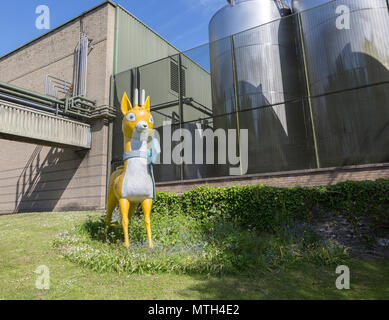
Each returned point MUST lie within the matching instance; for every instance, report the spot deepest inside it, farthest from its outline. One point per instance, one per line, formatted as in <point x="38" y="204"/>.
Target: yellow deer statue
<point x="133" y="183"/>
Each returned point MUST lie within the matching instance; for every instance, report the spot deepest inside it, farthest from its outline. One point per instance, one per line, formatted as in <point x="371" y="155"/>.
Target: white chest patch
<point x="137" y="184"/>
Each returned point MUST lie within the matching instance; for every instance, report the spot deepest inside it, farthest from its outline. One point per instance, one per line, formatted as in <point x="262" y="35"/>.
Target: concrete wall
<point x="37" y="178"/>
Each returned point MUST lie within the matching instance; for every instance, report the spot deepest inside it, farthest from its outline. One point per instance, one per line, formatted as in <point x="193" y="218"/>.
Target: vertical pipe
<point x="81" y="67"/>
<point x="136" y="97"/>
<point x="236" y="96"/>
<point x="46" y="84"/>
<point x="79" y="84"/>
<point x="86" y="64"/>
<point x="84" y="56"/>
<point x="143" y="99"/>
<point x="77" y="66"/>
<point x="82" y="83"/>
<point x="116" y="41"/>
<point x="181" y="109"/>
<point x="132" y="83"/>
<point x="111" y="124"/>
<point x="137" y="78"/>
<point x="110" y="140"/>
<point x="79" y="88"/>
<point x="308" y="90"/>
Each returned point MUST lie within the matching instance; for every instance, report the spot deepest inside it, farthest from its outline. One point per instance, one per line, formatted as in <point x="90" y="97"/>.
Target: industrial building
<point x="307" y="80"/>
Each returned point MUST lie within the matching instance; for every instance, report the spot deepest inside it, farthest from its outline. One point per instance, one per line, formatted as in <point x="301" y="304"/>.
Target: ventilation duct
<point x="81" y="65"/>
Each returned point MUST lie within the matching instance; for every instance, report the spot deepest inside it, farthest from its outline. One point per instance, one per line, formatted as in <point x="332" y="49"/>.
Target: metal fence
<point x="311" y="93"/>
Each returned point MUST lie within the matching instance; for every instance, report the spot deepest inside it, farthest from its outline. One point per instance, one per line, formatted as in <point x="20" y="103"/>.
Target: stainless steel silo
<point x="235" y="19"/>
<point x="301" y="5"/>
<point x="347" y="57"/>
<point x="255" y="62"/>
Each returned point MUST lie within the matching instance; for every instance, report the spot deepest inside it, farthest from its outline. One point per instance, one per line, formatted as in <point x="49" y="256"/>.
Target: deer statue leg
<point x="124" y="205"/>
<point x="133" y="207"/>
<point x="111" y="205"/>
<point x="146" y="206"/>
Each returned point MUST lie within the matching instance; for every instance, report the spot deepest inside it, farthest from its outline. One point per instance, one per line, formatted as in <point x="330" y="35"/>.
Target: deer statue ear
<point x="147" y="103"/>
<point x="126" y="104"/>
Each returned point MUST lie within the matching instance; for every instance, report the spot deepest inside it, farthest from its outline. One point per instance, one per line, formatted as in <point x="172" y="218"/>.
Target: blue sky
<point x="184" y="23"/>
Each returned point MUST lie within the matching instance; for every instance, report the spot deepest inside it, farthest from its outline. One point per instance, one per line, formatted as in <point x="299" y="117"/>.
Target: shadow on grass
<point x="97" y="231"/>
<point x="305" y="281"/>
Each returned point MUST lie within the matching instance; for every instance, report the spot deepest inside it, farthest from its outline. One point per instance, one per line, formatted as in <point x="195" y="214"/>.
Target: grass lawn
<point x="26" y="242"/>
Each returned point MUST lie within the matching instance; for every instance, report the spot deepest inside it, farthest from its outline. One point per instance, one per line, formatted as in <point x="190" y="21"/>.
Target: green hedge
<point x="268" y="208"/>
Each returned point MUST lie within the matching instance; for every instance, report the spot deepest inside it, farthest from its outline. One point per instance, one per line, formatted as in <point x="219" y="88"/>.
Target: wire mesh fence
<point x="309" y="94"/>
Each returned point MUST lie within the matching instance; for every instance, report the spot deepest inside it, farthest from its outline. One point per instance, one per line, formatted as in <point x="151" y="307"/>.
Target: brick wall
<point x="41" y="178"/>
<point x="313" y="177"/>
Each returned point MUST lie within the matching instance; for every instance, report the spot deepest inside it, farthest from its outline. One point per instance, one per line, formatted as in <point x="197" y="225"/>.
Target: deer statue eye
<point x="131" y="117"/>
<point x="151" y="120"/>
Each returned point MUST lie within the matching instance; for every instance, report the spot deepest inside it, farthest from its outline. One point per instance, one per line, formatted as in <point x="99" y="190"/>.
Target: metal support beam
<point x="181" y="109"/>
<point x="309" y="92"/>
<point x="236" y="95"/>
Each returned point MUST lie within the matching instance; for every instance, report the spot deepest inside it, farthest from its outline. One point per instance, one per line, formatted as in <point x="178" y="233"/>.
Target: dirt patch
<point x="361" y="240"/>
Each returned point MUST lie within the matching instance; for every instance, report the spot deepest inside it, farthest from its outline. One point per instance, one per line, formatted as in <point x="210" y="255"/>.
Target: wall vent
<point x="174" y="78"/>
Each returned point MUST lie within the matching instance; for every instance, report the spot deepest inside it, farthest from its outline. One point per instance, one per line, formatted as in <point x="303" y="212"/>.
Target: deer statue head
<point x="137" y="120"/>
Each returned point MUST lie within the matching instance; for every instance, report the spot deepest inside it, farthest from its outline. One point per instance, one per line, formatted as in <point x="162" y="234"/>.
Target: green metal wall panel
<point x="197" y="87"/>
<point x="155" y="78"/>
<point x="136" y="43"/>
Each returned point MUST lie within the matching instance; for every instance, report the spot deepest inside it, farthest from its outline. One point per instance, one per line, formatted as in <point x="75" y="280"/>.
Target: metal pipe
<point x="84" y="100"/>
<point x="85" y="63"/>
<point x="80" y="89"/>
<point x="181" y="109"/>
<point x="81" y="65"/>
<point x="52" y="82"/>
<point x="199" y="109"/>
<point x="29" y="103"/>
<point x="27" y="92"/>
<point x="46" y="84"/>
<point x="136" y="96"/>
<point x="26" y="97"/>
<point x="58" y="79"/>
<point x="76" y="66"/>
<point x="236" y="94"/>
<point x="62" y="83"/>
<point x="143" y="99"/>
<point x="165" y="105"/>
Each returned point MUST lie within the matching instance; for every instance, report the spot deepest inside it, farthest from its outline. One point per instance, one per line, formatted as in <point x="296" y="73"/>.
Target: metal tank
<point x="255" y="62"/>
<point x="301" y="5"/>
<point x="347" y="57"/>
